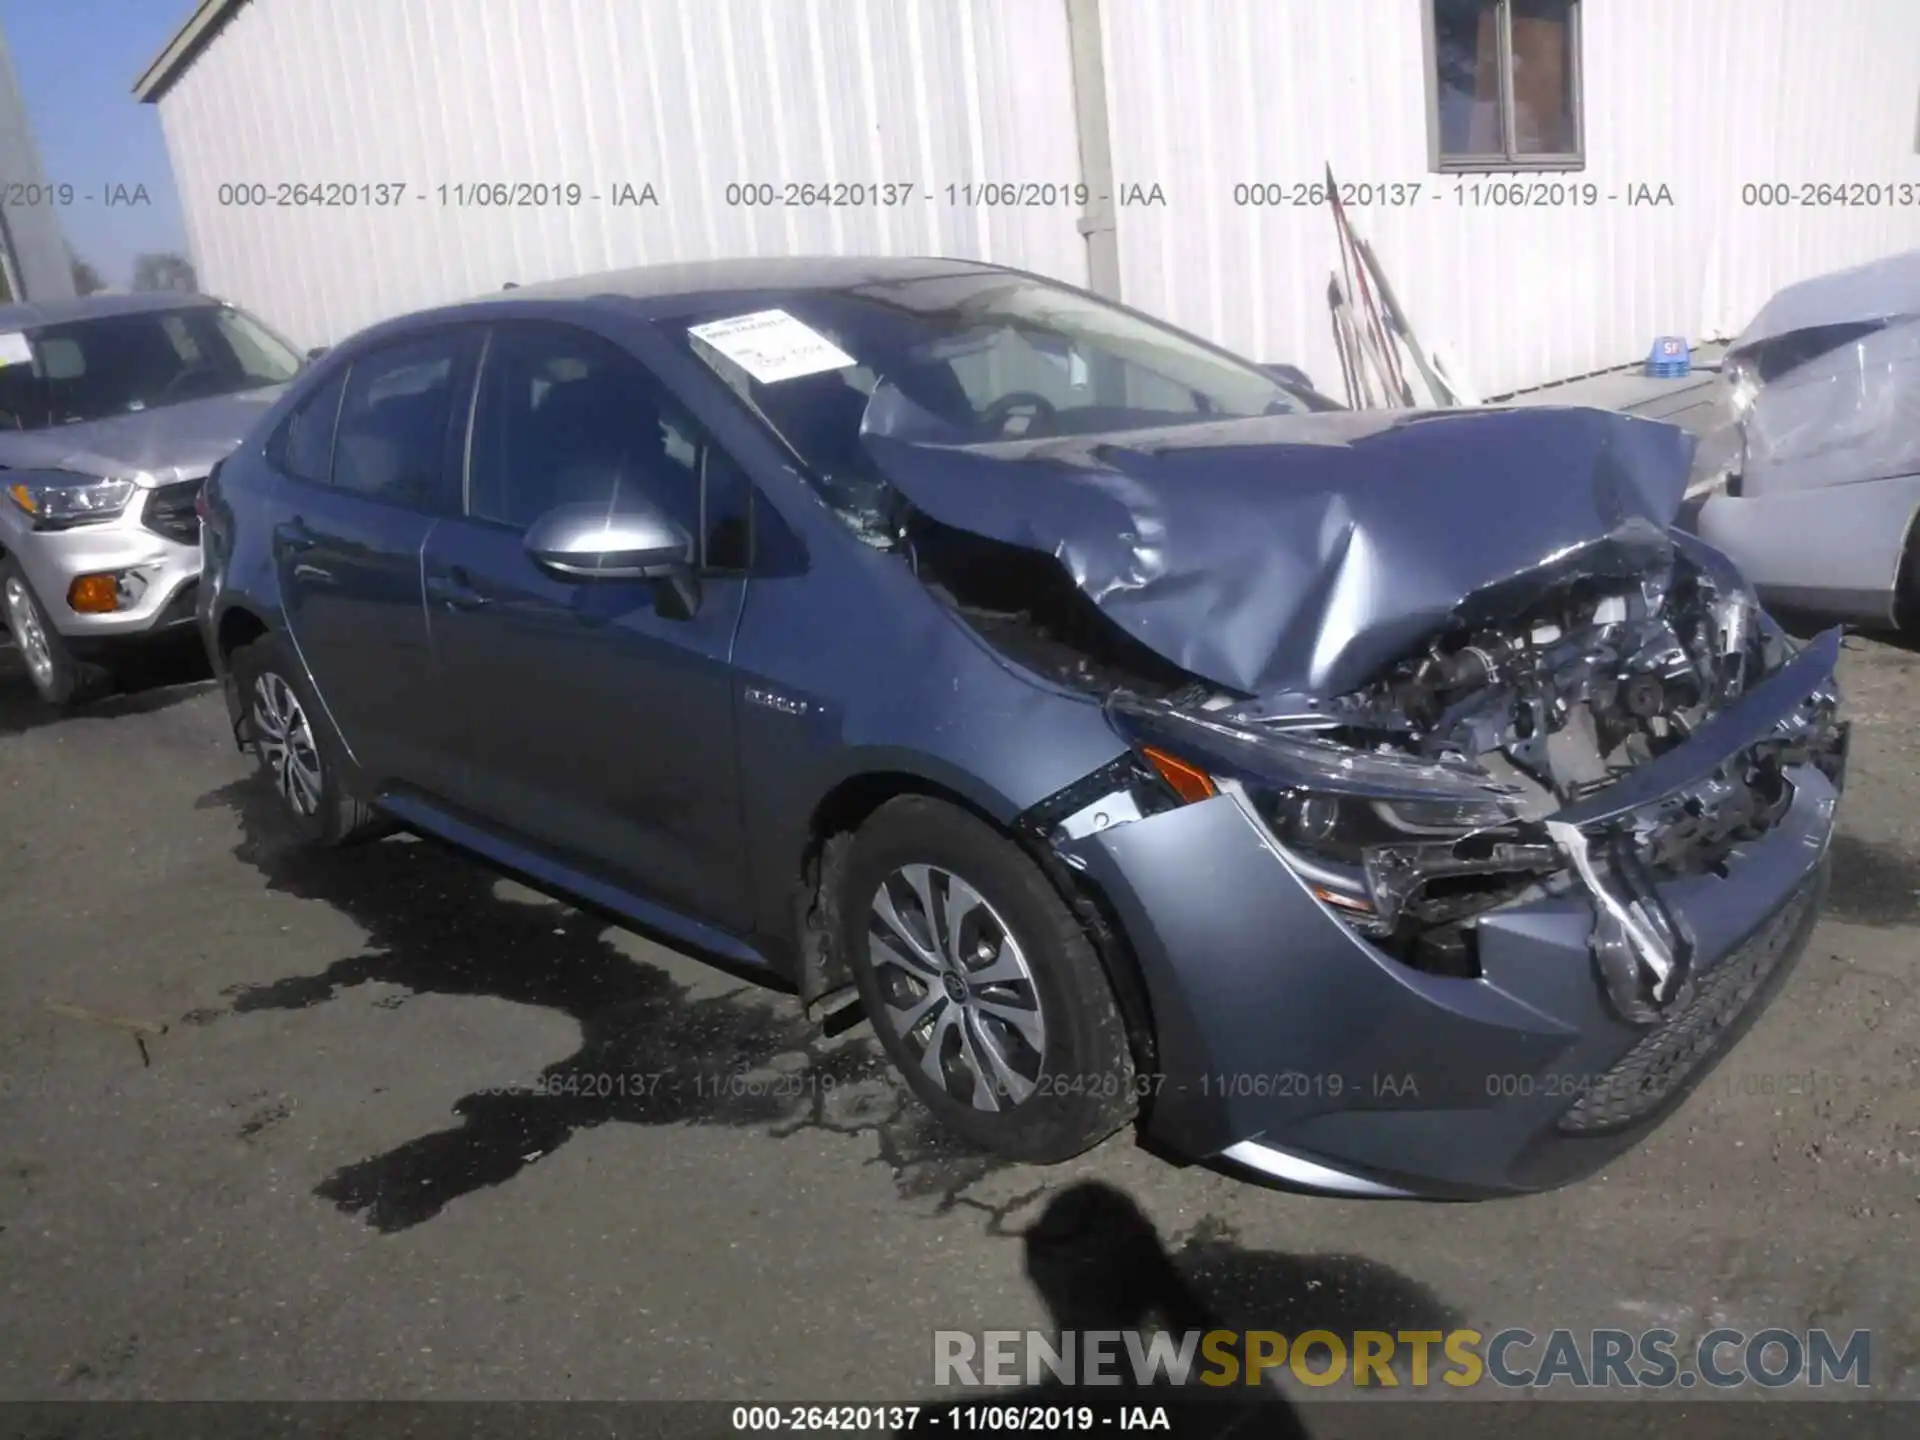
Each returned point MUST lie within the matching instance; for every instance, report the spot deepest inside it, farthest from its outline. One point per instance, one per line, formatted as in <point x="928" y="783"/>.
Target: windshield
<point x="965" y="359"/>
<point x="124" y="364"/>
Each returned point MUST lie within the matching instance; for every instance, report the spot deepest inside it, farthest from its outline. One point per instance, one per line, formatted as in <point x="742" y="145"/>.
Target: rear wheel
<point x="291" y="745"/>
<point x="981" y="985"/>
<point x="59" y="678"/>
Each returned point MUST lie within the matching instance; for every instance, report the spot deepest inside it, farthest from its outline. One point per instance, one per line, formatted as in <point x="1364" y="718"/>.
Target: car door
<point x="368" y="464"/>
<point x="593" y="717"/>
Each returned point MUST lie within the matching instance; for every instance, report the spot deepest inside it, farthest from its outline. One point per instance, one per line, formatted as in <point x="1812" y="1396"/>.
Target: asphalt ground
<point x="271" y="1128"/>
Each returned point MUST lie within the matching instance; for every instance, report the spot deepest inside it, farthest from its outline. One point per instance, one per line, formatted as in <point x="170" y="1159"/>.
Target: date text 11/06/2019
<point x="964" y="1417"/>
<point x="761" y="194"/>
<point x="462" y="195"/>
<point x="1459" y="195"/>
<point x="968" y="194"/>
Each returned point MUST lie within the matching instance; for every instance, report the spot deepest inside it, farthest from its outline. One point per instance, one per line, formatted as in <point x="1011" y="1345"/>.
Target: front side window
<point x="391" y="441"/>
<point x="564" y="417"/>
<point x="1505" y="82"/>
<point x="126" y="364"/>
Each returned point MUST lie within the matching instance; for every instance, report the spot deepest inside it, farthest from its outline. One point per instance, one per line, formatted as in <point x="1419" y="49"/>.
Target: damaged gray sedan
<point x="1818" y="455"/>
<point x="1378" y="804"/>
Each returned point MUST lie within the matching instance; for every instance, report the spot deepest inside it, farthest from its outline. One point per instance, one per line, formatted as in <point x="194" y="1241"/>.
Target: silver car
<point x="112" y="411"/>
<point x="1820" y="500"/>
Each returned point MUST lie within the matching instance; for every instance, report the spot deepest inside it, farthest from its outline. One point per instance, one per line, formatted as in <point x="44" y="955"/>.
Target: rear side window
<point x="727" y="507"/>
<point x="391" y="440"/>
<point x="306" y="446"/>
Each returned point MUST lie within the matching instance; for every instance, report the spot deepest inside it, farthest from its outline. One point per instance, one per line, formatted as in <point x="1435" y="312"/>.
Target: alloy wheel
<point x="956" y="987"/>
<point x="25" y="618"/>
<point x="285" y="743"/>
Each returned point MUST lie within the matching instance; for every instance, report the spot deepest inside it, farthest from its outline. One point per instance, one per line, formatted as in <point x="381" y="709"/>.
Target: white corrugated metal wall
<point x="33" y="262"/>
<point x="689" y="95"/>
<point x="1700" y="96"/>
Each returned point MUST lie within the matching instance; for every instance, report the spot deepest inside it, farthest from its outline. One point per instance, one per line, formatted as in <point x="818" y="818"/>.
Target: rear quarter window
<point x="304" y="446"/>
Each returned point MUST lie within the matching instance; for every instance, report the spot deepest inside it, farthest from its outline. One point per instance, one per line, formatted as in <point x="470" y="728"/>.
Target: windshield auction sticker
<point x="14" y="349"/>
<point x="771" y="345"/>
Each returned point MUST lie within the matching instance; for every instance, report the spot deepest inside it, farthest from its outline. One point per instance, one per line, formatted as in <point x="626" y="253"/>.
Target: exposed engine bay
<point x="1509" y="722"/>
<point x="1555" y="707"/>
<point x="1429" y="714"/>
<point x="1588" y="684"/>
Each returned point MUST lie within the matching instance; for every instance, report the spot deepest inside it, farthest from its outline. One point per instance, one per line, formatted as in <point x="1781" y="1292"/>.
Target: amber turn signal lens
<point x="1188" y="783"/>
<point x="1343" y="901"/>
<point x="94" y="595"/>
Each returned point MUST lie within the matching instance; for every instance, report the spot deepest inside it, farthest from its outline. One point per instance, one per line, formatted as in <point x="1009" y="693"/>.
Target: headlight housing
<point x="1364" y="829"/>
<point x="1342" y="828"/>
<point x="1739" y="386"/>
<point x="1739" y="389"/>
<point x="56" y="499"/>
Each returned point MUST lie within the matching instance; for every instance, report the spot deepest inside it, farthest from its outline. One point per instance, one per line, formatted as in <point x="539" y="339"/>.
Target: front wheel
<point x="981" y="985"/>
<point x="294" y="754"/>
<point x="58" y="677"/>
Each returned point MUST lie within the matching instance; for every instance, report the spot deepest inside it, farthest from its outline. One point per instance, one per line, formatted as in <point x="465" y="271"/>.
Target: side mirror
<point x="314" y="354"/>
<point x="634" y="542"/>
<point x="1300" y="385"/>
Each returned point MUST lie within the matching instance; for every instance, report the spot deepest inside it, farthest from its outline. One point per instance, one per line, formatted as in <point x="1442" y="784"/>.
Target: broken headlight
<point x="1739" y="386"/>
<point x="1353" y="824"/>
<point x="1340" y="829"/>
<point x="1353" y="851"/>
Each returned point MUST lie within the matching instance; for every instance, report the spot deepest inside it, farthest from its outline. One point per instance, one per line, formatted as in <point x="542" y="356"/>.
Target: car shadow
<point x="1907" y="641"/>
<point x="152" y="678"/>
<point x="651" y="1052"/>
<point x="1100" y="1265"/>
<point x="1804" y="625"/>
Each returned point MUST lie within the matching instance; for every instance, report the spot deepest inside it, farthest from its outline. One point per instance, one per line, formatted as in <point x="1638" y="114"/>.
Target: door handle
<point x="294" y="537"/>
<point x="455" y="590"/>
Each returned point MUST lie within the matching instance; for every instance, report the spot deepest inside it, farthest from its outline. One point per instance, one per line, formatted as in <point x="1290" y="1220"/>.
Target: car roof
<point x="29" y="314"/>
<point x="653" y="289"/>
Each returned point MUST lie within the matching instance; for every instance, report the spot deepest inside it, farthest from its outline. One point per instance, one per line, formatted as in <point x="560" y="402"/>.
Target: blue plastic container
<point x="1670" y="358"/>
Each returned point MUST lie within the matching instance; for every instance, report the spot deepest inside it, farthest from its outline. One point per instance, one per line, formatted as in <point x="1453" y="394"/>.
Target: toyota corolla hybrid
<point x="1377" y="803"/>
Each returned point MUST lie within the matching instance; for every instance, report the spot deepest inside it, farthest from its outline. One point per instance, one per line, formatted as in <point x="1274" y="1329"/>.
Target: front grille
<point x="170" y="511"/>
<point x="1701" y="1023"/>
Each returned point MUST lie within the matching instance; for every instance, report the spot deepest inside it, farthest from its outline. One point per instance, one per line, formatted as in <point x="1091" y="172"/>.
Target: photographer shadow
<point x="1100" y="1265"/>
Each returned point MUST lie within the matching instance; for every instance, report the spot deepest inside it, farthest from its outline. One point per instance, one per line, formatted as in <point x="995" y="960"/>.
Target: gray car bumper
<point x="1295" y="1050"/>
<point x="159" y="573"/>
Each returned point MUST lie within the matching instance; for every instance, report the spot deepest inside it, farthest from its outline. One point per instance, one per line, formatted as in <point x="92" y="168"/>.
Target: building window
<point x="1503" y="78"/>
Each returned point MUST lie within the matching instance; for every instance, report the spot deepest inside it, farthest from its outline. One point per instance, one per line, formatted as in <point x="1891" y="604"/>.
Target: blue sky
<point x="77" y="60"/>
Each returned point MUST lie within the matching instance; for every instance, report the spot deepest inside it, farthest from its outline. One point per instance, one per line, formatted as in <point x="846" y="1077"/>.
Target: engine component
<point x="1593" y="679"/>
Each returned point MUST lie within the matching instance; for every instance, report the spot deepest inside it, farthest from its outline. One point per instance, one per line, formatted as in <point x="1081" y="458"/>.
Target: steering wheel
<point x="994" y="418"/>
<point x="181" y="377"/>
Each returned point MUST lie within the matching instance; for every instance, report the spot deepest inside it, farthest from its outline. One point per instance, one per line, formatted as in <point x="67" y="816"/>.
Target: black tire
<point x="1072" y="1092"/>
<point x="303" y="775"/>
<point x="65" y="680"/>
<point x="1906" y="586"/>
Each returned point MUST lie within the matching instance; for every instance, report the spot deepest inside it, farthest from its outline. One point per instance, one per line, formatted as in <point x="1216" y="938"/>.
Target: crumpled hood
<point x="1301" y="554"/>
<point x="1839" y="358"/>
<point x="154" y="447"/>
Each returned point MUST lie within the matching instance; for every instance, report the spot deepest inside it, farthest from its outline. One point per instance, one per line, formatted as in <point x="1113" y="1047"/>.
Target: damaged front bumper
<point x="1299" y="1049"/>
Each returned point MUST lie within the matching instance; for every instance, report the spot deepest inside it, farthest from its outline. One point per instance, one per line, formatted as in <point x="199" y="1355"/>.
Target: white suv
<point x="112" y="411"/>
